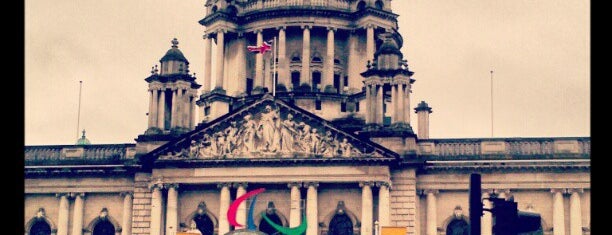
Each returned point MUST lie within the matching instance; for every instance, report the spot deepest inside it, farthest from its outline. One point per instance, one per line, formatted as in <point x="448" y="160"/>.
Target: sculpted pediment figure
<point x="269" y="129"/>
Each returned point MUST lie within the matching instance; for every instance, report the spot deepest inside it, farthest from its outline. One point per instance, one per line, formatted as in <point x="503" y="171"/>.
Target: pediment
<point x="268" y="129"/>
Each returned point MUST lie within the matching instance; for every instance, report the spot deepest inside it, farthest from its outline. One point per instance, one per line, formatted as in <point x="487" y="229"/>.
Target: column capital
<point x="305" y="26"/>
<point x="240" y="184"/>
<point x="79" y="194"/>
<point x="171" y="185"/>
<point x="221" y="31"/>
<point x="283" y="27"/>
<point x="334" y="29"/>
<point x="59" y="195"/>
<point x="206" y="36"/>
<point x="221" y="185"/>
<point x="366" y="183"/>
<point x="369" y="26"/>
<point x="498" y="191"/>
<point x="256" y="31"/>
<point x="313" y="184"/>
<point x="558" y="190"/>
<point x="431" y="191"/>
<point x="125" y="194"/>
<point x="575" y="190"/>
<point x="383" y="183"/>
<point x="297" y="184"/>
<point x="157" y="183"/>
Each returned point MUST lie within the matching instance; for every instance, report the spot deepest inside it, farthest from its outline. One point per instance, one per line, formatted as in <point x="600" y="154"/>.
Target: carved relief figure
<point x="287" y="131"/>
<point x="328" y="145"/>
<point x="345" y="147"/>
<point x="193" y="149"/>
<point x="313" y="141"/>
<point x="248" y="133"/>
<point x="267" y="128"/>
<point x="230" y="139"/>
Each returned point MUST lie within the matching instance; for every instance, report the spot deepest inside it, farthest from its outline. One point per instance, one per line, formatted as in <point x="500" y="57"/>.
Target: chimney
<point x="423" y="110"/>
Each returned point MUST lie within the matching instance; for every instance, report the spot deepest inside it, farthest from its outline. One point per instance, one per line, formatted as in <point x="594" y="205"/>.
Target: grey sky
<point x="539" y="51"/>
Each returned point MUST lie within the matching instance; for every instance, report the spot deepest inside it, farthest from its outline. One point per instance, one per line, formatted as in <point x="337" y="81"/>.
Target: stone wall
<point x="403" y="199"/>
<point x="141" y="209"/>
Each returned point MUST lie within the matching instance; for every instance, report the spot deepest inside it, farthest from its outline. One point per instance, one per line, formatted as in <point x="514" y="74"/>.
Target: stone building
<point x="326" y="130"/>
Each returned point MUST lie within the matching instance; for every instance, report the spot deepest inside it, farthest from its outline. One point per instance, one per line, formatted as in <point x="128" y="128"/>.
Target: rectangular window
<point x="356" y="106"/>
<point x="206" y="110"/>
<point x="346" y="81"/>
<point x="318" y="105"/>
<point x="337" y="83"/>
<point x="249" y="85"/>
<point x="316" y="81"/>
<point x="295" y="80"/>
<point x="343" y="107"/>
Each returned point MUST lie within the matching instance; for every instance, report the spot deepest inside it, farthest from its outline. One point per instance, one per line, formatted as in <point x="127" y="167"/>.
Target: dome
<point x="389" y="46"/>
<point x="174" y="53"/>
<point x="83" y="140"/>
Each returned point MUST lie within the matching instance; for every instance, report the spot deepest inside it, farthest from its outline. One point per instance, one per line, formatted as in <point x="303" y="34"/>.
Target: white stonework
<point x="335" y="149"/>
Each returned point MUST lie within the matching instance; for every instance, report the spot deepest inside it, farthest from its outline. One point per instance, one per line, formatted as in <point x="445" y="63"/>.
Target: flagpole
<point x="491" y="103"/>
<point x="274" y="69"/>
<point x="79" y="108"/>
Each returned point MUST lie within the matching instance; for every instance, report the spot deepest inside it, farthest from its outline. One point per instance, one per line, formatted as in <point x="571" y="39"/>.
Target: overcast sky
<point x="539" y="50"/>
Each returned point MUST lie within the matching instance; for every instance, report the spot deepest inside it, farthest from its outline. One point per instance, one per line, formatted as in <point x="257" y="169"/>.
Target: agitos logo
<point x="231" y="215"/>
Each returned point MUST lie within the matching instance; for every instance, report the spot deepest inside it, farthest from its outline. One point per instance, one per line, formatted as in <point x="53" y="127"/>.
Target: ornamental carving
<point x="269" y="131"/>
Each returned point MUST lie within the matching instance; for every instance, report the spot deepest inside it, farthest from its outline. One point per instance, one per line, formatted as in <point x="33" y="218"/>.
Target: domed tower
<point x="388" y="85"/>
<point x="321" y="47"/>
<point x="172" y="95"/>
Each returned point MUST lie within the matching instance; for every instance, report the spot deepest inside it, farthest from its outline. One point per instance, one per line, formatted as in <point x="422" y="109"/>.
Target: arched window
<point x="316" y="60"/>
<point x="40" y="227"/>
<point x="361" y="5"/>
<point x="204" y="224"/>
<point x="458" y="227"/>
<point x="104" y="227"/>
<point x="341" y="224"/>
<point x="379" y="4"/>
<point x="295" y="59"/>
<point x="232" y="10"/>
<point x="336" y="61"/>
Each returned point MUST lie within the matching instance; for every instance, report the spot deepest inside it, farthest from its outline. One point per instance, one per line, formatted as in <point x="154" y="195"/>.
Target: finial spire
<point x="174" y="43"/>
<point x="83" y="133"/>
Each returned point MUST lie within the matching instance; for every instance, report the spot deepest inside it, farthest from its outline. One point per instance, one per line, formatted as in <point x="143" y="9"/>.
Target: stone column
<point x="172" y="209"/>
<point x="366" y="208"/>
<point x="156" y="208"/>
<point x="62" y="219"/>
<point x="305" y="73"/>
<point x="241" y="65"/>
<point x="329" y="60"/>
<point x="220" y="59"/>
<point x="431" y="212"/>
<point x="406" y="103"/>
<point x="558" y="212"/>
<point x="126" y="222"/>
<point x="77" y="216"/>
<point x="353" y="67"/>
<point x="180" y="103"/>
<point x="224" y="203"/>
<point x="401" y="103"/>
<point x="259" y="63"/>
<point x="384" y="204"/>
<point x="174" y="108"/>
<point x="370" y="42"/>
<point x="575" y="212"/>
<point x="207" y="63"/>
<point x="394" y="103"/>
<point x="193" y="111"/>
<point x="241" y="213"/>
<point x="151" y="104"/>
<point x="161" y="109"/>
<point x="295" y="211"/>
<point x="312" y="209"/>
<point x="368" y="101"/>
<point x="283" y="64"/>
<point x="379" y="105"/>
<point x="486" y="220"/>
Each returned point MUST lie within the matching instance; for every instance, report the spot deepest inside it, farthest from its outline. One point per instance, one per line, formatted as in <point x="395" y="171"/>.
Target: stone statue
<point x="267" y="128"/>
<point x="345" y="147"/>
<point x="287" y="132"/>
<point x="248" y="133"/>
<point x="303" y="137"/>
<point x="204" y="149"/>
<point x="328" y="145"/>
<point x="193" y="149"/>
<point x="313" y="141"/>
<point x="231" y="138"/>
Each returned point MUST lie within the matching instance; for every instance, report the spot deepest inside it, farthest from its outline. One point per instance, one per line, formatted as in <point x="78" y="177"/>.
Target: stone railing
<point x="509" y="147"/>
<point x="273" y="4"/>
<point x="82" y="154"/>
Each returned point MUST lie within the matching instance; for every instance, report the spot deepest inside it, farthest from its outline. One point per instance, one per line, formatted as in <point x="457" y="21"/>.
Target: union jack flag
<point x="267" y="46"/>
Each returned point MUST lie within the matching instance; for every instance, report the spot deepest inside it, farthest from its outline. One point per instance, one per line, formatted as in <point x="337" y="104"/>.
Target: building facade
<point x="324" y="127"/>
